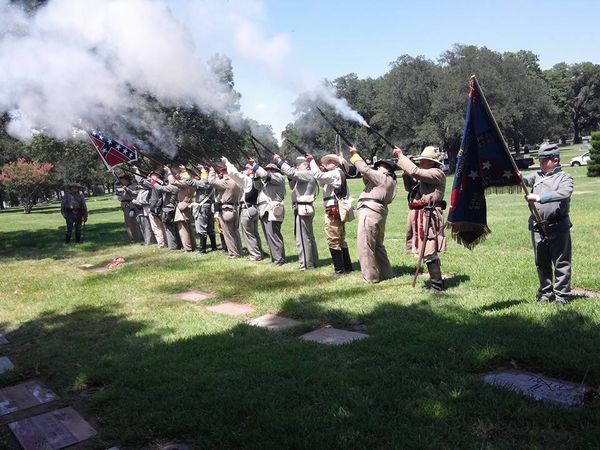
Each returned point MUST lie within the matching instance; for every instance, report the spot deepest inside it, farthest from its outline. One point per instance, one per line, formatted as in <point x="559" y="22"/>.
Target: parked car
<point x="580" y="160"/>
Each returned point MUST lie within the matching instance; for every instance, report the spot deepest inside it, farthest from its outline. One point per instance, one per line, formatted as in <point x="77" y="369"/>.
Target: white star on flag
<point x="473" y="174"/>
<point x="507" y="174"/>
<point x="487" y="165"/>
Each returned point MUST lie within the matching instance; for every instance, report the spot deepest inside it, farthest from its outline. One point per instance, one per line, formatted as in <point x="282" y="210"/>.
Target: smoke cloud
<point x="76" y="64"/>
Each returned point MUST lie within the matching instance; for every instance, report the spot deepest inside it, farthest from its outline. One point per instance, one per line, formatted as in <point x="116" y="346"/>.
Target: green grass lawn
<point x="145" y="368"/>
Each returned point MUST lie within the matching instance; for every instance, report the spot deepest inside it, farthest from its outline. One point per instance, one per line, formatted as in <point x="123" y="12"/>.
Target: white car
<point x="580" y="160"/>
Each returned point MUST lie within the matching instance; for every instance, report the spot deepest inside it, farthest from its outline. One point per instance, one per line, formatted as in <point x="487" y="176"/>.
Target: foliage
<point x="576" y="90"/>
<point x="593" y="166"/>
<point x="27" y="180"/>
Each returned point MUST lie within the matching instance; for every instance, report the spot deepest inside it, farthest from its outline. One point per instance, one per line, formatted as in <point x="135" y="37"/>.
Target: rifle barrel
<point x="297" y="147"/>
<point x="262" y="145"/>
<point x="332" y="125"/>
<point x="386" y="140"/>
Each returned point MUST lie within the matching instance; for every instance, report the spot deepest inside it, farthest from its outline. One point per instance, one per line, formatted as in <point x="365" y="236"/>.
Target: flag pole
<point x="532" y="208"/>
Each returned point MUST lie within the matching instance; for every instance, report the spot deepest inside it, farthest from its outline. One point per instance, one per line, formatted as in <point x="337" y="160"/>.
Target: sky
<point x="330" y="38"/>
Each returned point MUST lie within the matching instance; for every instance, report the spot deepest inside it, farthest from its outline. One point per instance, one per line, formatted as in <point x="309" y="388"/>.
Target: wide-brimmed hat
<point x="430" y="153"/>
<point x="389" y="164"/>
<point x="336" y="159"/>
<point x="272" y="166"/>
<point x="300" y="160"/>
<point x="549" y="151"/>
<point x="73" y="184"/>
<point x="220" y="167"/>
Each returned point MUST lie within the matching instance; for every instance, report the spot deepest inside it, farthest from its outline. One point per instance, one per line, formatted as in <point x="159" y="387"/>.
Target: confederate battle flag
<point x="484" y="163"/>
<point x="111" y="152"/>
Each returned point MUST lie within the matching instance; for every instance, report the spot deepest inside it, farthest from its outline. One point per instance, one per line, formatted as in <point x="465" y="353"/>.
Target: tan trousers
<point x="185" y="234"/>
<point x="158" y="228"/>
<point x="335" y="231"/>
<point x="374" y="262"/>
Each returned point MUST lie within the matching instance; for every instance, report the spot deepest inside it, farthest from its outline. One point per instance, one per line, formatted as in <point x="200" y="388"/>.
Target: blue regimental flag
<point x="484" y="163"/>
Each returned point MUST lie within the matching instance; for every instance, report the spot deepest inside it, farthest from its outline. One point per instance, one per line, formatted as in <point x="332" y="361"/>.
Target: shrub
<point x="593" y="167"/>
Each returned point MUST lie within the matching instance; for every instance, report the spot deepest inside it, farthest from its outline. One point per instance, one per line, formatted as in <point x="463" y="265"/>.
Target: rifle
<point x="332" y="125"/>
<point x="297" y="147"/>
<point x="377" y="133"/>
<point x="262" y="145"/>
<point x="429" y="210"/>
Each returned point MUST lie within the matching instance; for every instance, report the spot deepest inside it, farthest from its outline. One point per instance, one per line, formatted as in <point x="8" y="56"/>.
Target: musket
<point x="297" y="147"/>
<point x="429" y="210"/>
<point x="263" y="145"/>
<point x="381" y="136"/>
<point x="336" y="129"/>
<point x="190" y="155"/>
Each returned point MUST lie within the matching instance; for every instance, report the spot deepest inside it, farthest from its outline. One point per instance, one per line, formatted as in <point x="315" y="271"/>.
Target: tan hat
<point x="430" y="153"/>
<point x="336" y="159"/>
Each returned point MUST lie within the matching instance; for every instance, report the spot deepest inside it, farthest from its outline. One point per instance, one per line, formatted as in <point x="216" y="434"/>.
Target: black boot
<point x="213" y="242"/>
<point x="78" y="237"/>
<point x="202" y="248"/>
<point x="337" y="258"/>
<point x="436" y="283"/>
<point x="347" y="261"/>
<point x="223" y="244"/>
<point x="67" y="238"/>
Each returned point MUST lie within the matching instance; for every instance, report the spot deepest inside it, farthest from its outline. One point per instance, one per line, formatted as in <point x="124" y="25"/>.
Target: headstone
<point x="231" y="309"/>
<point x="6" y="364"/>
<point x="23" y="396"/>
<point x="539" y="387"/>
<point x="194" y="296"/>
<point x="3" y="340"/>
<point x="332" y="336"/>
<point x="274" y="322"/>
<point x="53" y="430"/>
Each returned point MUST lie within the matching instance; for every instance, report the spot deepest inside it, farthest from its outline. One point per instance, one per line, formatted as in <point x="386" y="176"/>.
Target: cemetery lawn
<point x="145" y="368"/>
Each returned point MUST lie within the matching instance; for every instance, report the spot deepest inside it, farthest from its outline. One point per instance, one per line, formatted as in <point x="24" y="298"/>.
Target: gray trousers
<point x="372" y="255"/>
<point x="173" y="240"/>
<point x="251" y="235"/>
<point x="205" y="221"/>
<point x="272" y="232"/>
<point x="231" y="233"/>
<point x="553" y="257"/>
<point x="131" y="225"/>
<point x="306" y="245"/>
<point x="147" y="233"/>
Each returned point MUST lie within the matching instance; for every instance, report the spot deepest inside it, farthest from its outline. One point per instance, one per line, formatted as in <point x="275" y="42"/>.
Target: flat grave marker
<point x="274" y="322"/>
<point x="333" y="336"/>
<point x="98" y="270"/>
<point x="538" y="386"/>
<point x="194" y="296"/>
<point x="584" y="293"/>
<point x="177" y="446"/>
<point x="231" y="309"/>
<point x="23" y="396"/>
<point x="6" y="364"/>
<point x="53" y="430"/>
<point x="86" y="266"/>
<point x="3" y="340"/>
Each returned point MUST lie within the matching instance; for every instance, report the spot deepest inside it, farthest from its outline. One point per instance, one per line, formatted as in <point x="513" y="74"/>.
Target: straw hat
<point x="339" y="160"/>
<point x="430" y="153"/>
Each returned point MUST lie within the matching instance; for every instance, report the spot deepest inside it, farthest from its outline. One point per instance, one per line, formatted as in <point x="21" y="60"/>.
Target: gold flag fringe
<point x="468" y="234"/>
<point x="503" y="190"/>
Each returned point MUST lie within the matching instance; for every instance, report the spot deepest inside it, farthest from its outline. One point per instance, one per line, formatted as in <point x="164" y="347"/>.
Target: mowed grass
<point x="147" y="369"/>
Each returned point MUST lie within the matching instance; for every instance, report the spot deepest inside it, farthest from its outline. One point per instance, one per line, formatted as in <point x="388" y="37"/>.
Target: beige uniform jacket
<point x="379" y="189"/>
<point x="427" y="185"/>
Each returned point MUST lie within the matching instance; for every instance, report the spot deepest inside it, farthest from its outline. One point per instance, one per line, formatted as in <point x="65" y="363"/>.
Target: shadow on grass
<point x="411" y="384"/>
<point x="50" y="243"/>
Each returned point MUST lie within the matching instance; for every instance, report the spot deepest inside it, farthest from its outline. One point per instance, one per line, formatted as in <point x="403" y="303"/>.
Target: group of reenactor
<point x="220" y="198"/>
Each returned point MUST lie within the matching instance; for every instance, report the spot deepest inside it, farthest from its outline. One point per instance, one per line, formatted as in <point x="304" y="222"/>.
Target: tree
<point x="593" y="168"/>
<point x="575" y="89"/>
<point x="27" y="180"/>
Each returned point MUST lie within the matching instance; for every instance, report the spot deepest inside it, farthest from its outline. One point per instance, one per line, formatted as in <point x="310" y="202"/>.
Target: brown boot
<point x="436" y="283"/>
